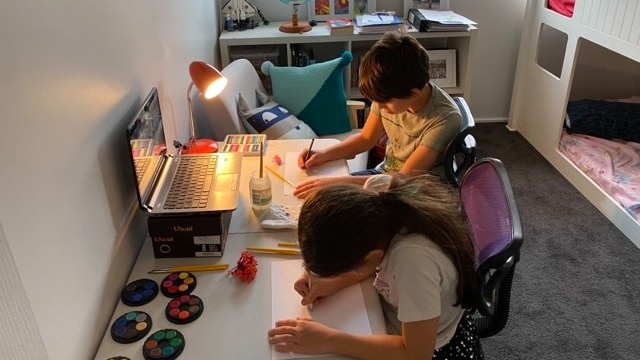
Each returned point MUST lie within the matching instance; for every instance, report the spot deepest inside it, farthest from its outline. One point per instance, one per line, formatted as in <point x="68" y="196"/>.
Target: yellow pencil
<point x="274" y="250"/>
<point x="279" y="176"/>
<point x="289" y="245"/>
<point x="190" y="268"/>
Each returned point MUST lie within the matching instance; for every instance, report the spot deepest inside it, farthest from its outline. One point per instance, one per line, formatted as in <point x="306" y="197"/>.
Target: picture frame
<point x="425" y="4"/>
<point x="322" y="10"/>
<point x="442" y="67"/>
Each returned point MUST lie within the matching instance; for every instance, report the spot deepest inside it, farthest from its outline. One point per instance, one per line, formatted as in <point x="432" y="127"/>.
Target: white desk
<point x="244" y="220"/>
<point x="236" y="316"/>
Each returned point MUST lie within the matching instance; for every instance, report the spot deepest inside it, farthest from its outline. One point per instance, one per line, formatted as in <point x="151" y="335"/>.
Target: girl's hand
<point x="321" y="287"/>
<point x="302" y="336"/>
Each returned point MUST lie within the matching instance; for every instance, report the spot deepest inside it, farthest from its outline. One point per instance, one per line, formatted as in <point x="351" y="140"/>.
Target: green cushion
<point x="314" y="93"/>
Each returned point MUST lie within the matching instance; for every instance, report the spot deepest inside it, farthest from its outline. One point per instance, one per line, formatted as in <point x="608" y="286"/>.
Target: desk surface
<point x="244" y="220"/>
<point x="236" y="315"/>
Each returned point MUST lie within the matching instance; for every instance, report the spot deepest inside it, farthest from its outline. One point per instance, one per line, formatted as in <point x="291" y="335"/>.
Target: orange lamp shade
<point x="207" y="79"/>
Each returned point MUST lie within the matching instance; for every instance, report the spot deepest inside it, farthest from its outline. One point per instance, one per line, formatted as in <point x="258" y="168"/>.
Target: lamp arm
<point x="192" y="128"/>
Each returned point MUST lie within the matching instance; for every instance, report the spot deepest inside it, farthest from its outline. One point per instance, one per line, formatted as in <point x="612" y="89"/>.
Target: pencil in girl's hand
<point x="309" y="306"/>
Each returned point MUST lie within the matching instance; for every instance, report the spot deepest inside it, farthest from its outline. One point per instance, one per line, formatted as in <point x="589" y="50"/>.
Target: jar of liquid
<point x="260" y="189"/>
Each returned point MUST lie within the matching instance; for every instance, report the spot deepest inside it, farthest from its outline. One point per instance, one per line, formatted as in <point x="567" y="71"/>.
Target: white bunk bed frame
<point x="539" y="99"/>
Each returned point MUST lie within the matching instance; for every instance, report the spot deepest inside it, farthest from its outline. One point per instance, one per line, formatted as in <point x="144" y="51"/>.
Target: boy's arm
<point x="422" y="159"/>
<point x="350" y="147"/>
<point x="426" y="157"/>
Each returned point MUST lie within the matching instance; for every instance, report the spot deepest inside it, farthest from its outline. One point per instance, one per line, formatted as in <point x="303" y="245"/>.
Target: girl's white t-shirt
<point x="417" y="281"/>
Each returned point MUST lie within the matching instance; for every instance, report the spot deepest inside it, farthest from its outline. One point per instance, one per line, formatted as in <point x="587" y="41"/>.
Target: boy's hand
<point x="314" y="159"/>
<point x="303" y="189"/>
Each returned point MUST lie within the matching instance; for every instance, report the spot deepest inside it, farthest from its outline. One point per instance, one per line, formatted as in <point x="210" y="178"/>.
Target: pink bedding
<point x="612" y="164"/>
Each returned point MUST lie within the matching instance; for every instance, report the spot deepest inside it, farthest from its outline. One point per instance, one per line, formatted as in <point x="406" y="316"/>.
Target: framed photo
<point x="442" y="67"/>
<point x="425" y="4"/>
<point x="321" y="10"/>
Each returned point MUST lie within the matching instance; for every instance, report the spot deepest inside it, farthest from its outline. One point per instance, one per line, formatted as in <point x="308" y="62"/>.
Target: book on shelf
<point x="301" y="56"/>
<point x="342" y="26"/>
<point x="377" y="24"/>
<point x="247" y="144"/>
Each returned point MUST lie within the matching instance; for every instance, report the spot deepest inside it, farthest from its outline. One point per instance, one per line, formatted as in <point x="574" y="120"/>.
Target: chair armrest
<point x="352" y="107"/>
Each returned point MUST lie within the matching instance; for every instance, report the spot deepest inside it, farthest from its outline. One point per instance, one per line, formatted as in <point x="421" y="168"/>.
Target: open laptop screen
<point x="145" y="136"/>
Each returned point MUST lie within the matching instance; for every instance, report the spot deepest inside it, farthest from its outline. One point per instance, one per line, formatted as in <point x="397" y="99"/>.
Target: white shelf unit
<point x="559" y="61"/>
<point x="327" y="47"/>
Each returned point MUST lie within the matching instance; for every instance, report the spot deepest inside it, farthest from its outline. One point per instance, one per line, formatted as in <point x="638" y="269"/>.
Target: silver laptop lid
<point x="147" y="147"/>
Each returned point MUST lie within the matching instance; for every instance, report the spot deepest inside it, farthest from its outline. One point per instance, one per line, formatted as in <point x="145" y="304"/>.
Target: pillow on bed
<point x="272" y="119"/>
<point x="604" y="119"/>
<point x="314" y="93"/>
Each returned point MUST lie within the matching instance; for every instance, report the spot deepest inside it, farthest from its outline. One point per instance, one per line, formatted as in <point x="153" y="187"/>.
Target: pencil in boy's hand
<point x="306" y="157"/>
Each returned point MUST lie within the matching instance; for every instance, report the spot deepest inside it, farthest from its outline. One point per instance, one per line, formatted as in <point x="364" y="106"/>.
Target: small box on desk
<point x="203" y="235"/>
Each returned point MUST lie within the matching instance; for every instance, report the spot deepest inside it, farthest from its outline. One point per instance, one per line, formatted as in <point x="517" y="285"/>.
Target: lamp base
<point x="200" y="146"/>
<point x="291" y="28"/>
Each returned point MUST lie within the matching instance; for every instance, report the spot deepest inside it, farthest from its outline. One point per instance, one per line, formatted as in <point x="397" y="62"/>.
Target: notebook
<point x="181" y="183"/>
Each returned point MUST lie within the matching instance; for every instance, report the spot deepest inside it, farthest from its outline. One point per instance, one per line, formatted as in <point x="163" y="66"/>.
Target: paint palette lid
<point x="184" y="309"/>
<point x="178" y="284"/>
<point x="131" y="327"/>
<point x="139" y="292"/>
<point x="166" y="344"/>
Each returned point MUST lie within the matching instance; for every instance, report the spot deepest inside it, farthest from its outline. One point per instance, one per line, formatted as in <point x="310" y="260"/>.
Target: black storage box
<point x="202" y="235"/>
<point x="418" y="21"/>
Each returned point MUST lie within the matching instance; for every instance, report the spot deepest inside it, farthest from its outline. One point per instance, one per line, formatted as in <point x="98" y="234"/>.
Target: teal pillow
<point x="314" y="93"/>
<point x="272" y="119"/>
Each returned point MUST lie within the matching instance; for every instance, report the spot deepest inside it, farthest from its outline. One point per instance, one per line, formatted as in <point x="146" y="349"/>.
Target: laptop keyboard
<point x="141" y="165"/>
<point x="191" y="186"/>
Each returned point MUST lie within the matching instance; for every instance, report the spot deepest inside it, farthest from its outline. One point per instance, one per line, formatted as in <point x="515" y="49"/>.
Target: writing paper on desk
<point x="297" y="175"/>
<point x="344" y="310"/>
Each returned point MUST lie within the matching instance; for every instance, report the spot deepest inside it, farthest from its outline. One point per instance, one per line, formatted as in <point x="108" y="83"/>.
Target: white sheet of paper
<point x="344" y="310"/>
<point x="297" y="175"/>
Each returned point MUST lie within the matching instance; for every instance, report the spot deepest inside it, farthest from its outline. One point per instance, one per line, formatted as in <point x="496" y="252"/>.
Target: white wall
<point x="71" y="75"/>
<point x="499" y="23"/>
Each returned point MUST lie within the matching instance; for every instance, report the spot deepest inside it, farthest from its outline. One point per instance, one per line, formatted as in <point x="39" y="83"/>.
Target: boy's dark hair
<point x="340" y="224"/>
<point x="396" y="64"/>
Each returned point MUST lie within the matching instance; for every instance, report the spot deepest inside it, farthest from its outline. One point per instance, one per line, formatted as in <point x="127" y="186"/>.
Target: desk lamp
<point x="295" y="26"/>
<point x="210" y="82"/>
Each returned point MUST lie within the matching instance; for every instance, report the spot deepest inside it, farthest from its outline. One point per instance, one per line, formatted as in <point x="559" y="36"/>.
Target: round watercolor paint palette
<point x="139" y="292"/>
<point x="164" y="344"/>
<point x="131" y="327"/>
<point x="178" y="283"/>
<point x="184" y="309"/>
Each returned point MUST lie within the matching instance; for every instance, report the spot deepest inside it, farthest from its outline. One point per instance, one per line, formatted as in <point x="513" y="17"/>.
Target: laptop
<point x="178" y="184"/>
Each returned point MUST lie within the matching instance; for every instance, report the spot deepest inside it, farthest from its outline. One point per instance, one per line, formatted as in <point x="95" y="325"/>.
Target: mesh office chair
<point x="461" y="152"/>
<point x="487" y="199"/>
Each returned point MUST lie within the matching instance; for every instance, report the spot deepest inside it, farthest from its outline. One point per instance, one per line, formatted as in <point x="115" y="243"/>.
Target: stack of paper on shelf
<point x="340" y="26"/>
<point x="439" y="20"/>
<point x="377" y="24"/>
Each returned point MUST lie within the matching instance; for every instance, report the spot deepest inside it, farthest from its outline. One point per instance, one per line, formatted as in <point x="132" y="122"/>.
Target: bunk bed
<point x="587" y="50"/>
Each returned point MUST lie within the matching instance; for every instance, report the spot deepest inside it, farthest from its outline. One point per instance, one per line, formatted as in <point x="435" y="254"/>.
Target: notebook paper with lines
<point x="182" y="183"/>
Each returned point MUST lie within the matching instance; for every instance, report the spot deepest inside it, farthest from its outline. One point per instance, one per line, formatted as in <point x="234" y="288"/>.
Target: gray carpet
<point x="576" y="292"/>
